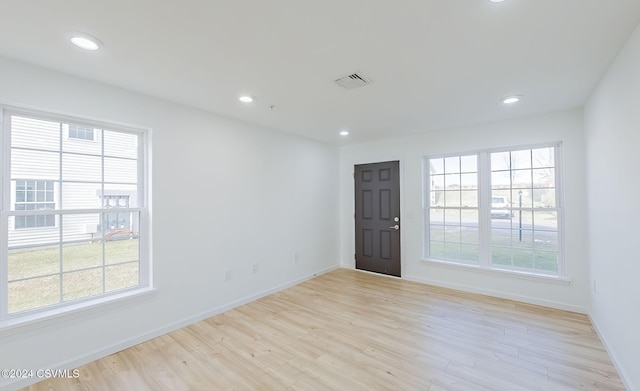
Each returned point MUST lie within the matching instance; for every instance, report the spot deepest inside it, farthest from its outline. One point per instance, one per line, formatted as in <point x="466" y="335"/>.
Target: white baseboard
<point x="74" y="363"/>
<point x="614" y="360"/>
<point x="499" y="294"/>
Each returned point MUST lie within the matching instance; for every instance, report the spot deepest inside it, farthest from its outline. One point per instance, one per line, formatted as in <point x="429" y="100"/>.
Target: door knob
<point x="396" y="227"/>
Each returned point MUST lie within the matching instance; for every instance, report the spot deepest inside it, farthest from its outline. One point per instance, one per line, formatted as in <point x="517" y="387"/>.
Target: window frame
<point x="143" y="175"/>
<point x="484" y="214"/>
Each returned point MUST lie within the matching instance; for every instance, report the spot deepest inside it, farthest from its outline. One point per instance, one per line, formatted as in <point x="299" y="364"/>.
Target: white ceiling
<point x="435" y="64"/>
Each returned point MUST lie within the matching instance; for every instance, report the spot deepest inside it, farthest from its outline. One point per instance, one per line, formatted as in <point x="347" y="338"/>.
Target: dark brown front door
<point x="377" y="188"/>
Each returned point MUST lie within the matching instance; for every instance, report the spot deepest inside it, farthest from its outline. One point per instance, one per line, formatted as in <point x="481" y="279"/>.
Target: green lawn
<point x="537" y="252"/>
<point x="80" y="267"/>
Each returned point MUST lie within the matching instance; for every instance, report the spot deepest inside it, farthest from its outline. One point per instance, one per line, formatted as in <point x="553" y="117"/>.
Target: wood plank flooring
<point x="348" y="330"/>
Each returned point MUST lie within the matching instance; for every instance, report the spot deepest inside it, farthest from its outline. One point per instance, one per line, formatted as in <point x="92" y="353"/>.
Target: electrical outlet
<point x="254" y="268"/>
<point x="296" y="257"/>
<point x="227" y="275"/>
<point x="594" y="286"/>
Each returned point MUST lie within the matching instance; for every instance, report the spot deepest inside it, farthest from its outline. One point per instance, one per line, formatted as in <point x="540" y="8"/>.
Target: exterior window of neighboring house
<point x="34" y="195"/>
<point x="81" y="132"/>
<point x="74" y="224"/>
<point x="496" y="210"/>
<point x="116" y="220"/>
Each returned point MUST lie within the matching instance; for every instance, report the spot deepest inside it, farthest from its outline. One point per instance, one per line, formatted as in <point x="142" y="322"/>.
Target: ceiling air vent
<point x="353" y="80"/>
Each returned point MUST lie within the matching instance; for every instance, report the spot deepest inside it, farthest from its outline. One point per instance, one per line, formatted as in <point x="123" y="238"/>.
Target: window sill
<point x="14" y="324"/>
<point x="559" y="280"/>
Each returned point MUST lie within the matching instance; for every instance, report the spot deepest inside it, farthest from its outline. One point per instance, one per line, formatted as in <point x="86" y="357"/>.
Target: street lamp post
<point x="520" y="196"/>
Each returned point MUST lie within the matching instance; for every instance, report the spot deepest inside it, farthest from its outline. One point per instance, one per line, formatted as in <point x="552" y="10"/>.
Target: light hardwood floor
<point x="348" y="330"/>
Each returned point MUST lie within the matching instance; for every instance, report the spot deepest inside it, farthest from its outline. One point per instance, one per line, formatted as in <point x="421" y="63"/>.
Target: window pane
<point x="546" y="261"/>
<point x="469" y="198"/>
<point x="437" y="198"/>
<point x="543" y="157"/>
<point x="469" y="235"/>
<point x="436" y="233"/>
<point x="522" y="258"/>
<point x="469" y="181"/>
<point x="81" y="284"/>
<point x="81" y="195"/>
<point x="501" y="237"/>
<point x="121" y="244"/>
<point x="546" y="241"/>
<point x="436" y="216"/>
<point x="452" y="165"/>
<point x="120" y="170"/>
<point x="436" y="249"/>
<point x="452" y="234"/>
<point x="470" y="253"/>
<point x="35" y="134"/>
<point x="81" y="168"/>
<point x="521" y="179"/>
<point x="523" y="195"/>
<point x="500" y="179"/>
<point x="501" y="256"/>
<point x="82" y="246"/>
<point x="544" y="177"/>
<point x="452" y="181"/>
<point x="520" y="159"/>
<point x="452" y="251"/>
<point x="469" y="163"/>
<point x="546" y="221"/>
<point x="33" y="261"/>
<point x="118" y="144"/>
<point x="452" y="198"/>
<point x="34" y="164"/>
<point x="437" y="182"/>
<point x="32" y="294"/>
<point x="544" y="198"/>
<point x="82" y="141"/>
<point x="500" y="161"/>
<point x="436" y="166"/>
<point x="122" y="276"/>
<point x="452" y="217"/>
<point x="469" y="218"/>
<point x="522" y="238"/>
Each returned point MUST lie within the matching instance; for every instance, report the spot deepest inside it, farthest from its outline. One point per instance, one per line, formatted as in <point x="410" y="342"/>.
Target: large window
<point x="63" y="241"/>
<point x="496" y="209"/>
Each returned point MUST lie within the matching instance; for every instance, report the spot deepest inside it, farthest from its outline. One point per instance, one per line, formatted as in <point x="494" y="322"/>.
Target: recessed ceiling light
<point x="344" y="133"/>
<point x="84" y="40"/>
<point x="246" y="99"/>
<point x="496" y="1"/>
<point x="509" y="100"/>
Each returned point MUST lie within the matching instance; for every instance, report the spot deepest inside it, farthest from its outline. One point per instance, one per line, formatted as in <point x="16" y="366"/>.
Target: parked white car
<point x="500" y="208"/>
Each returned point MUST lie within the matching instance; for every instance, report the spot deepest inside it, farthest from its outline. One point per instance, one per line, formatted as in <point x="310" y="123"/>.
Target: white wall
<point x="225" y="195"/>
<point x="612" y="121"/>
<point x="564" y="126"/>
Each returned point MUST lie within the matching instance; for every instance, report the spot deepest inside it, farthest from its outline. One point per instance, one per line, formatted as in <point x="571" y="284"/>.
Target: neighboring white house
<point x="56" y="165"/>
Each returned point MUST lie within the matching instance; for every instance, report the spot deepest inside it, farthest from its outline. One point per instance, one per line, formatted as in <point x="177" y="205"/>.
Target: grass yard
<point x="39" y="277"/>
<point x="536" y="250"/>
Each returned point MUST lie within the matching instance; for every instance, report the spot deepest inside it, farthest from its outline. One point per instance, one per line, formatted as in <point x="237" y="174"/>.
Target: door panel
<point x="377" y="206"/>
